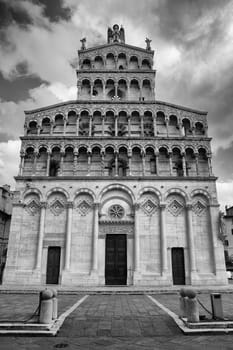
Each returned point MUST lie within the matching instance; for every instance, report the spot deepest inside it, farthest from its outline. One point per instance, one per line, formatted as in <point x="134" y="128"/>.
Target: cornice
<point x="118" y="178"/>
<point x="103" y="46"/>
<point x="103" y="102"/>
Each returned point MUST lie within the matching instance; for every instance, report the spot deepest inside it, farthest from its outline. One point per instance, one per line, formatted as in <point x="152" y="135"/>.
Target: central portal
<point x="116" y="260"/>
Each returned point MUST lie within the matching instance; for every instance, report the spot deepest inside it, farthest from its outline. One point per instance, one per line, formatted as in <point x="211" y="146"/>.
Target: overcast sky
<point x="193" y="43"/>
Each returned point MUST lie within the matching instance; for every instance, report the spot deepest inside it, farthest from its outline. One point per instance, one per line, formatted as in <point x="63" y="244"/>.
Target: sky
<point x="193" y="44"/>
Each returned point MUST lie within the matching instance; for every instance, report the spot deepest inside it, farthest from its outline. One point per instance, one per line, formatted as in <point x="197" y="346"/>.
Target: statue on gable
<point x="122" y="35"/>
<point x="83" y="41"/>
<point x="116" y="35"/>
<point x="148" y="41"/>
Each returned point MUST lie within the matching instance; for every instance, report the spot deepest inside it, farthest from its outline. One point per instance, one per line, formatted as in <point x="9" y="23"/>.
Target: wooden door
<point x="178" y="269"/>
<point x="53" y="265"/>
<point x="116" y="260"/>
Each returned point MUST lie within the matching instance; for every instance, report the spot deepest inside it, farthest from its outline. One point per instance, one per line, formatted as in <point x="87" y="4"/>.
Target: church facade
<point x="116" y="187"/>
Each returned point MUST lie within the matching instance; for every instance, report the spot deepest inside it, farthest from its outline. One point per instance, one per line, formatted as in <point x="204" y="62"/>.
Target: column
<point x="192" y="259"/>
<point x="102" y="162"/>
<point x="41" y="235"/>
<point x="143" y="162"/>
<point x="75" y="165"/>
<point x="140" y="91"/>
<point x="115" y="59"/>
<point x="116" y="125"/>
<point x="170" y="163"/>
<point x="181" y="129"/>
<point x="51" y="127"/>
<point x="38" y="129"/>
<point x="104" y="91"/>
<point x="62" y="162"/>
<point x="142" y="126"/>
<point x="130" y="162"/>
<point x="163" y="239"/>
<point x="212" y="223"/>
<point x="88" y="162"/>
<point x="197" y="163"/>
<point x="210" y="165"/>
<point x="91" y="91"/>
<point x="34" y="162"/>
<point x="129" y="126"/>
<point x="48" y="163"/>
<point x="155" y="126"/>
<point x="90" y="125"/>
<point x="136" y="238"/>
<point x="157" y="162"/>
<point x="115" y="87"/>
<point x="166" y="122"/>
<point x="103" y="125"/>
<point x="68" y="235"/>
<point x="21" y="165"/>
<point x="94" y="266"/>
<point x="116" y="163"/>
<point x="77" y="125"/>
<point x="65" y="122"/>
<point x="184" y="164"/>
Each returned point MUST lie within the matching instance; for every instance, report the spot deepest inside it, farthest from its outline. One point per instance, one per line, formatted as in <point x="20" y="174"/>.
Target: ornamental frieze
<point x="129" y="144"/>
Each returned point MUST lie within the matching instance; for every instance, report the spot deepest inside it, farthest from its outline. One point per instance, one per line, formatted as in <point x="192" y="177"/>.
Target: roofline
<point x="115" y="102"/>
<point x="118" y="44"/>
<point x="188" y="109"/>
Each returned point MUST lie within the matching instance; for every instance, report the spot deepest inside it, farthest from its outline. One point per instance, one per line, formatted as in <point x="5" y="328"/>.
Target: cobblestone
<point x="118" y="322"/>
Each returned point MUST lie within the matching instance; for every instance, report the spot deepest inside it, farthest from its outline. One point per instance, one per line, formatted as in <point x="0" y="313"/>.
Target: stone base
<point x="71" y="279"/>
<point x="24" y="277"/>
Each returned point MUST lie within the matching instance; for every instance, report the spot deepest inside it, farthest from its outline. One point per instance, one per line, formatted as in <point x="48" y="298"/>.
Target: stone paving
<point x="19" y="307"/>
<point x="172" y="303"/>
<point x="119" y="322"/>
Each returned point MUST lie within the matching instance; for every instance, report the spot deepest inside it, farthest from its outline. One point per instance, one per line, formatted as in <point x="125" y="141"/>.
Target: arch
<point x="146" y="64"/>
<point x="98" y="62"/>
<point x="96" y="145"/>
<point x="199" y="128"/>
<point x="200" y="191"/>
<point x="116" y="186"/>
<point x="177" y="191"/>
<point x="86" y="63"/>
<point x="84" y="190"/>
<point x="32" y="127"/>
<point x="133" y="62"/>
<point x="98" y="89"/>
<point x="57" y="189"/>
<point x="32" y="190"/>
<point x="150" y="146"/>
<point x="121" y="60"/>
<point x="45" y="125"/>
<point x="151" y="190"/>
<point x="110" y="61"/>
<point x="137" y="146"/>
<point x="43" y="146"/>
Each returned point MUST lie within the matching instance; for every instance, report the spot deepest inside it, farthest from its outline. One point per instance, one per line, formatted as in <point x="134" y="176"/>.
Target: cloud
<point x="193" y="55"/>
<point x="9" y="161"/>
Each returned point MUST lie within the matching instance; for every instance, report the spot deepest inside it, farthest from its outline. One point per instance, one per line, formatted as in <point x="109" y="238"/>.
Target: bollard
<point x="182" y="303"/>
<point x="46" y="306"/>
<point x="54" y="299"/>
<point x="192" y="308"/>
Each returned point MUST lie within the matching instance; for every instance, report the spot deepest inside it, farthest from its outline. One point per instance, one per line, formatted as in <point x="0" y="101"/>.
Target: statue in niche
<point x="148" y="41"/>
<point x="83" y="41"/>
<point x="116" y="34"/>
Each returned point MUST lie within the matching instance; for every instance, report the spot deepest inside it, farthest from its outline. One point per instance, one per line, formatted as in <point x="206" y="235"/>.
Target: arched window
<point x="55" y="162"/>
<point x="45" y="126"/>
<point x="32" y="128"/>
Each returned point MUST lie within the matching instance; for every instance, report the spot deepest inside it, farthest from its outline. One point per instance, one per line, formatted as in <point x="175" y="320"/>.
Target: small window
<point x="226" y="243"/>
<point x="232" y="231"/>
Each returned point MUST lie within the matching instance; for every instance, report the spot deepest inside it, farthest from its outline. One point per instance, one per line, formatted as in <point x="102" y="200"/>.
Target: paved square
<point x="118" y="316"/>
